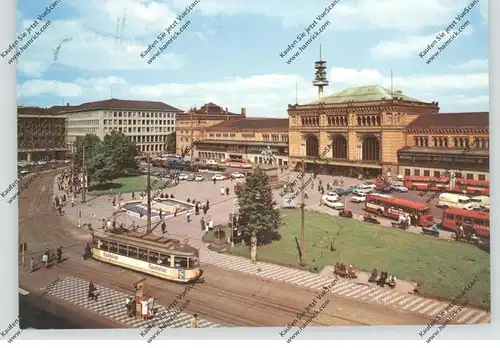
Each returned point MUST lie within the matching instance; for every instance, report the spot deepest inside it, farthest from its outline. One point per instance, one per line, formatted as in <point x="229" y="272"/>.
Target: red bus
<point x="394" y="207"/>
<point x="479" y="220"/>
<point x="427" y="183"/>
<point x="473" y="187"/>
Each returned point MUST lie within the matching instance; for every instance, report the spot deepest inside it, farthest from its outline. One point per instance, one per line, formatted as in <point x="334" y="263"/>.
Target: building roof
<point x="31" y="110"/>
<point x="121" y="104"/>
<point x="443" y="151"/>
<point x="251" y="124"/>
<point x="364" y="94"/>
<point x="211" y="109"/>
<point x="452" y="120"/>
<point x="244" y="142"/>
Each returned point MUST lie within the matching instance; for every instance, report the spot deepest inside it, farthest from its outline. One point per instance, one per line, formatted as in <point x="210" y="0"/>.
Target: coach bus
<point x="157" y="256"/>
<point x="471" y="187"/>
<point x="393" y="208"/>
<point x="479" y="220"/>
<point x="427" y="183"/>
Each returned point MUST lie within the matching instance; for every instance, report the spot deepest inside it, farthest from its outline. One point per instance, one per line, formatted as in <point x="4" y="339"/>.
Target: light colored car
<point x="199" y="178"/>
<point x="399" y="187"/>
<point x="218" y="177"/>
<point x="237" y="175"/>
<point x="358" y="198"/>
<point x="362" y="189"/>
<point x="67" y="161"/>
<point x="332" y="194"/>
<point x="333" y="203"/>
<point x="183" y="176"/>
<point x="212" y="162"/>
<point x="42" y="162"/>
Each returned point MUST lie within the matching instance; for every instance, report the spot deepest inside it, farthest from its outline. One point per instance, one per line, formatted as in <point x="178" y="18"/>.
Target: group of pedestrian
<point x="406" y="221"/>
<point x="207" y="226"/>
<point x="224" y="191"/>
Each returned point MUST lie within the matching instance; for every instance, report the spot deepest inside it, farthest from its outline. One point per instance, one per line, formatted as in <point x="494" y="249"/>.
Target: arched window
<point x="371" y="148"/>
<point x="312" y="146"/>
<point x="339" y="147"/>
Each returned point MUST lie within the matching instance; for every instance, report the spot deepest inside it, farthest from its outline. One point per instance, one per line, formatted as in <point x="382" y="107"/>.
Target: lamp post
<point x="253" y="240"/>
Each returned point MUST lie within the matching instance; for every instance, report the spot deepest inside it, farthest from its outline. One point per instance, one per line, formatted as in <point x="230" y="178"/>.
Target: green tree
<point x="120" y="149"/>
<point x="257" y="208"/>
<point x="102" y="168"/>
<point x="92" y="145"/>
<point x="171" y="144"/>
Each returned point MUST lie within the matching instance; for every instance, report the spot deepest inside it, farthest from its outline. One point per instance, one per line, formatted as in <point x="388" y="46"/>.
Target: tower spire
<point x="320" y="79"/>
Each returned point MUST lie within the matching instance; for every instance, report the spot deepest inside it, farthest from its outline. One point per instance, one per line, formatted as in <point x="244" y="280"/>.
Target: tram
<point x="154" y="255"/>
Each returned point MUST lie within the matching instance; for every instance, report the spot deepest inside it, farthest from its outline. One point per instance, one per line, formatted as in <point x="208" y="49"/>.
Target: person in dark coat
<point x="59" y="254"/>
<point x="163" y="227"/>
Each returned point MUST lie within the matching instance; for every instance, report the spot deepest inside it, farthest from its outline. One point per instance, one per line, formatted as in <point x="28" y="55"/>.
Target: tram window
<point x="467" y="219"/>
<point x="122" y="249"/>
<point x="450" y="216"/>
<point x="132" y="252"/>
<point x="487" y="223"/>
<point x="153" y="257"/>
<point x="104" y="245"/>
<point x="165" y="259"/>
<point x="113" y="247"/>
<point x="478" y="222"/>
<point x="143" y="254"/>
<point x="180" y="262"/>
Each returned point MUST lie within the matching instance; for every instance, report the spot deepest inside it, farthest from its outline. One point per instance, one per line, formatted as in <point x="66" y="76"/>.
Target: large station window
<point x="427" y="173"/>
<point x="470" y="176"/>
<point x="481" y="177"/>
<point x="416" y="172"/>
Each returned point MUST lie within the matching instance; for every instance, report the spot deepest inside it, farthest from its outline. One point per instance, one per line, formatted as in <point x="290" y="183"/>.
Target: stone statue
<point x="268" y="156"/>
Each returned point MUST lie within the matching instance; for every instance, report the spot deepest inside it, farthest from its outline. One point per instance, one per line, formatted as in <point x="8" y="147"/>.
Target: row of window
<point x="441" y="159"/>
<point x="133" y="122"/>
<point x="437" y="174"/>
<point x="461" y="142"/>
<point x="146" y="255"/>
<point x="83" y="122"/>
<point x="139" y="114"/>
<point x="151" y="148"/>
<point x="266" y="137"/>
<point x="469" y="220"/>
<point x="140" y="129"/>
<point x="148" y="138"/>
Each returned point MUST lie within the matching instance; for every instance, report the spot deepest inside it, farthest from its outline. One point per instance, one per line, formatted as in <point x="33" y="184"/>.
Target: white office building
<point x="147" y="123"/>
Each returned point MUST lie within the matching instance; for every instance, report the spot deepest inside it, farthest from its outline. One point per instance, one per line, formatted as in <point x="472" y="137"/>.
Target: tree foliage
<point x="171" y="143"/>
<point x="258" y="209"/>
<point x="107" y="159"/>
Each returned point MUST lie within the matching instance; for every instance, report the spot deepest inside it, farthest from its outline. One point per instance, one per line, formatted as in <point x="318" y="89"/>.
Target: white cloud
<point x="415" y="86"/>
<point x="31" y="69"/>
<point x="483" y="8"/>
<point x="474" y="64"/>
<point x="263" y="95"/>
<point x="464" y="100"/>
<point x="354" y="14"/>
<point x="409" y="46"/>
<point x="71" y="44"/>
<point x="34" y="88"/>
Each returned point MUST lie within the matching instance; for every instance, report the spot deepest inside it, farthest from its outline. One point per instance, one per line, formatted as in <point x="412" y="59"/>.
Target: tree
<point x="92" y="145"/>
<point x="120" y="149"/>
<point x="258" y="211"/>
<point x="171" y="144"/>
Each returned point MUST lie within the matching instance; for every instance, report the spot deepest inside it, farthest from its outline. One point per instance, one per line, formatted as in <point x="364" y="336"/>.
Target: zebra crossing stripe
<point x="390" y="294"/>
<point x="284" y="274"/>
<point x="463" y="315"/>
<point x="381" y="294"/>
<point x="355" y="292"/>
<point x="395" y="299"/>
<point x="312" y="281"/>
<point x="475" y="317"/>
<point x="369" y="294"/>
<point x="472" y="314"/>
<point x="320" y="283"/>
<point x="363" y="293"/>
<point x="423" y="304"/>
<point x="345" y="290"/>
<point x="439" y="309"/>
<point x="298" y="278"/>
<point x="411" y="303"/>
<point x="430" y="309"/>
<point x="483" y="319"/>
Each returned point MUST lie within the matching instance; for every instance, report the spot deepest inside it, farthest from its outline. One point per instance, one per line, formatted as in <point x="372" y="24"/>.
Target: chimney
<point x="244" y="111"/>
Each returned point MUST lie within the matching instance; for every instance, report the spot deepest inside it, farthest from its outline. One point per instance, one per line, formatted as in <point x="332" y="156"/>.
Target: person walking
<point x="208" y="204"/>
<point x="161" y="214"/>
<point x="32" y="264"/>
<point x="59" y="254"/>
<point x="227" y="191"/>
<point x="188" y="216"/>
<point x="163" y="227"/>
<point x="202" y="222"/>
<point x="194" y="321"/>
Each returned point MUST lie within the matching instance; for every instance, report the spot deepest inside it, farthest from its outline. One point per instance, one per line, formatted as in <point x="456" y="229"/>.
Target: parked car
<point x="332" y="194"/>
<point x="199" y="177"/>
<point x="218" y="177"/>
<point x="398" y="187"/>
<point x="362" y="189"/>
<point x="349" y="190"/>
<point x="182" y="176"/>
<point x="384" y="189"/>
<point x="237" y="175"/>
<point x="340" y="191"/>
<point x="333" y="203"/>
<point x="190" y="177"/>
<point x="358" y="198"/>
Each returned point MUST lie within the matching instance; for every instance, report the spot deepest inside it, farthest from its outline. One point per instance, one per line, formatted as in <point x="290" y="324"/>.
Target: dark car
<point x="340" y="191"/>
<point x="384" y="189"/>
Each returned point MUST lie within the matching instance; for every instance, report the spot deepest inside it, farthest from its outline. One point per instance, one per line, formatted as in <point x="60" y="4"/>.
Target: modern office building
<point x="147" y="123"/>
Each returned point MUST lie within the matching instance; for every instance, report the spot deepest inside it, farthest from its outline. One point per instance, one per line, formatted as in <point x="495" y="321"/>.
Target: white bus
<point x="146" y="253"/>
<point x="452" y="200"/>
<point x="480" y="202"/>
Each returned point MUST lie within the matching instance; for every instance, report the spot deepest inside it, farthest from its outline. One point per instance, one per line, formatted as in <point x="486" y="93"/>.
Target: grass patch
<point x="128" y="184"/>
<point x="444" y="268"/>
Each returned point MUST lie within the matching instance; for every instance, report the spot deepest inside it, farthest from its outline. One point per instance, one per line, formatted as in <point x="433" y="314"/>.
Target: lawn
<point x="128" y="184"/>
<point x="444" y="268"/>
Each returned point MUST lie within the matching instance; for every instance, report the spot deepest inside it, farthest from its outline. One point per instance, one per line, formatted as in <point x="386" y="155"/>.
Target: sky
<point x="229" y="51"/>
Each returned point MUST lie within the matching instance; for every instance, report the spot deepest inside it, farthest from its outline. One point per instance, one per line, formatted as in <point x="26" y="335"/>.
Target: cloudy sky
<point x="229" y="54"/>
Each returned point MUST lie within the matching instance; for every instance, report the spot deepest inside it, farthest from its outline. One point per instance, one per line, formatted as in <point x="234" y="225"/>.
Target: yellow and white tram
<point x="158" y="256"/>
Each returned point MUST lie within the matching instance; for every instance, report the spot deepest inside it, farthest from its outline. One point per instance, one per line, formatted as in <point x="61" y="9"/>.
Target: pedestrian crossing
<point x="111" y="304"/>
<point x="362" y="292"/>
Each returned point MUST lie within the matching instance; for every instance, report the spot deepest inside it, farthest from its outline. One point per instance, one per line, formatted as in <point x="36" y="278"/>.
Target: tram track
<point x="227" y="297"/>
